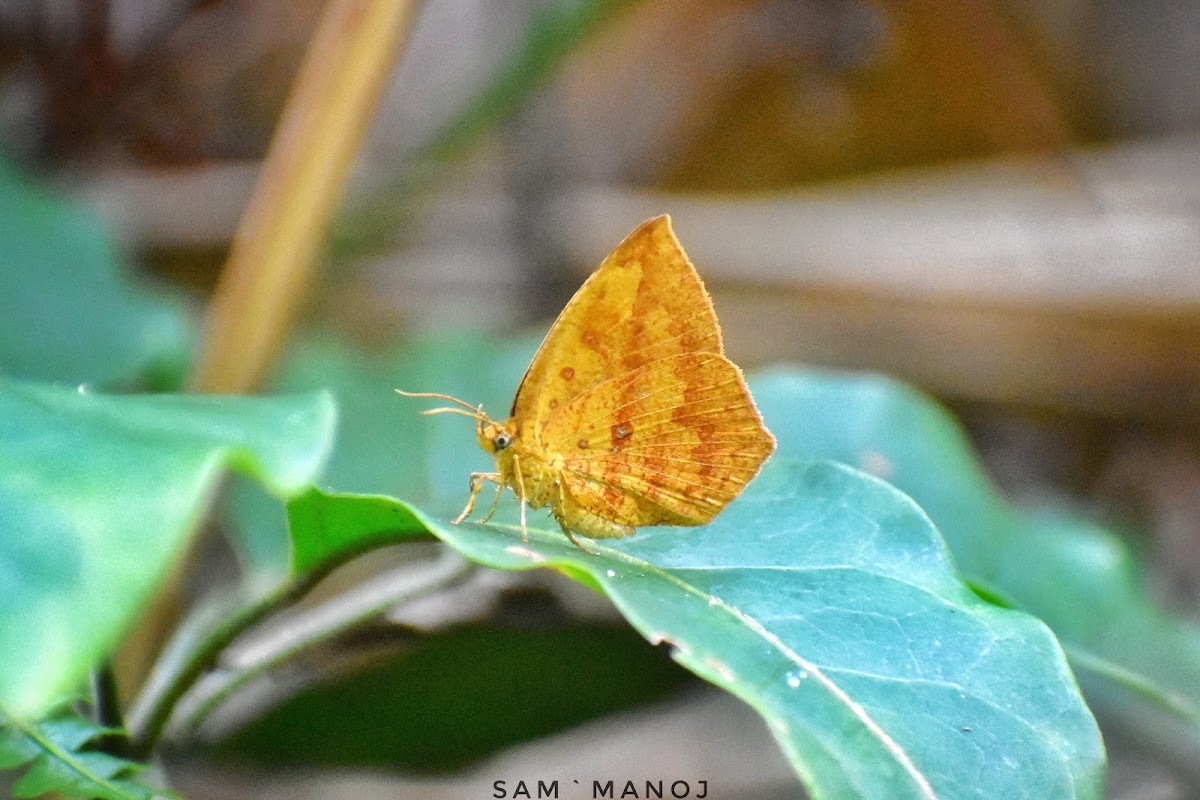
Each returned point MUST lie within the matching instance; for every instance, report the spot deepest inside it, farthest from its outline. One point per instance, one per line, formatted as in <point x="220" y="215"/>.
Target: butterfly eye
<point x="502" y="440"/>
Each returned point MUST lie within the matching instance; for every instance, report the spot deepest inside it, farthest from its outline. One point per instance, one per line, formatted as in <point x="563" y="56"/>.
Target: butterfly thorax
<point x="538" y="481"/>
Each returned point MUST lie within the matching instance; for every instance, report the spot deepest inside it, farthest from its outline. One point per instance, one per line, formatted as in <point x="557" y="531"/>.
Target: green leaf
<point x="893" y="431"/>
<point x="872" y="422"/>
<point x="825" y="599"/>
<point x="328" y="528"/>
<point x="458" y="696"/>
<point x="1139" y="666"/>
<point x="97" y="497"/>
<point x="70" y="310"/>
<point x="56" y="750"/>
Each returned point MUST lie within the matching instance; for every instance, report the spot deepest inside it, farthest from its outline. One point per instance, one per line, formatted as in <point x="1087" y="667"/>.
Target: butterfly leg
<point x="495" y="503"/>
<point x="562" y="497"/>
<point x="521" y="494"/>
<point x="576" y="542"/>
<point x="477" y="481"/>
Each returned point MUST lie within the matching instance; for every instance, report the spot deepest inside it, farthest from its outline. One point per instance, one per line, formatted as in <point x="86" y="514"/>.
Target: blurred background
<point x="997" y="200"/>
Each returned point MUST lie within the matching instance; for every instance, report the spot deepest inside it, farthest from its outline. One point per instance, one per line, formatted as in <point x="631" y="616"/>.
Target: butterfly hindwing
<point x="670" y="442"/>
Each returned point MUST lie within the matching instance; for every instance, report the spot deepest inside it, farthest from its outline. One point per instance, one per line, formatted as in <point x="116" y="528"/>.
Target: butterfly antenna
<point x="471" y="411"/>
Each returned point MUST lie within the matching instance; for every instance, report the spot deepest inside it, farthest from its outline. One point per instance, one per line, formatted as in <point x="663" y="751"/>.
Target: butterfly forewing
<point x="643" y="304"/>
<point x="671" y="442"/>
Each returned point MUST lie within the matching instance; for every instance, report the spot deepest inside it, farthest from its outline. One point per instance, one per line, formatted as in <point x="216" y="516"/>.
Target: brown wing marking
<point x="669" y="443"/>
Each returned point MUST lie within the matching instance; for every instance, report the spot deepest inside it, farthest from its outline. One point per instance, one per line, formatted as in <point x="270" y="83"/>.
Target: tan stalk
<point x="271" y="258"/>
<point x="336" y="90"/>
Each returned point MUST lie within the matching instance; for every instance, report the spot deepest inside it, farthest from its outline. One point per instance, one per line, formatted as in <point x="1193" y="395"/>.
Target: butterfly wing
<point x="671" y="442"/>
<point x="644" y="303"/>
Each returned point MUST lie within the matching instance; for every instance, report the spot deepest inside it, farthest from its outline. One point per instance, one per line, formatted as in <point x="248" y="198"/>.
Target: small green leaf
<point x="56" y="750"/>
<point x="70" y="311"/>
<point x="826" y="600"/>
<point x="328" y="528"/>
<point x="97" y="497"/>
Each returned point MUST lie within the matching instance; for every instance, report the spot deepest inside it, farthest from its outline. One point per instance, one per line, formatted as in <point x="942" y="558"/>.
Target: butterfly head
<point x="495" y="437"/>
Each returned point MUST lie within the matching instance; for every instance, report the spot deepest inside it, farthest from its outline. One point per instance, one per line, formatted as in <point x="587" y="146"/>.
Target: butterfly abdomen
<point x="573" y="517"/>
<point x="545" y="482"/>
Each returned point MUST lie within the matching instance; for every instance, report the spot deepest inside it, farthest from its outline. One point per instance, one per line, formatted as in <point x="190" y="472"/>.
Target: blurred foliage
<point x="554" y="32"/>
<point x="99" y="495"/>
<point x="61" y="757"/>
<point x="460" y="695"/>
<point x="72" y="311"/>
<point x="382" y="443"/>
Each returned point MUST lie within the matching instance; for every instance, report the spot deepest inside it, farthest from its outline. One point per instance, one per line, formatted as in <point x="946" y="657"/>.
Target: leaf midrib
<point x="755" y="626"/>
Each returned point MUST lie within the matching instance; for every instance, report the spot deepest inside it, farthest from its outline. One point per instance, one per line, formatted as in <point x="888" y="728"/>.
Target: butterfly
<point x="629" y="414"/>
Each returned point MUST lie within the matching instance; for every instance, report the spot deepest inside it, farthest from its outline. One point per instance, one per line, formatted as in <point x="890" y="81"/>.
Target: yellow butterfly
<point x="630" y="414"/>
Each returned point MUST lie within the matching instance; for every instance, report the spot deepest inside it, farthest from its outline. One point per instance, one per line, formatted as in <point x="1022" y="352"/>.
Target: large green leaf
<point x="437" y="453"/>
<point x="61" y="761"/>
<point x="826" y="599"/>
<point x="70" y="311"/>
<point x="1140" y="667"/>
<point x="97" y="497"/>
